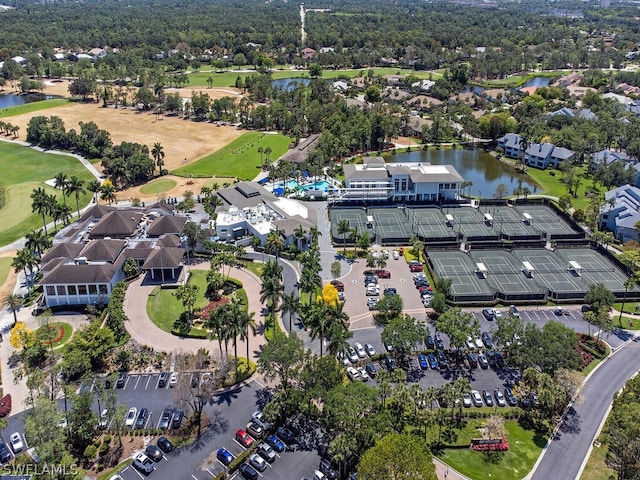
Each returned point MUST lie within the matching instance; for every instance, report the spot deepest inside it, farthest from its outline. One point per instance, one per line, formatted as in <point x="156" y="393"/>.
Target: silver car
<point x="360" y="350"/>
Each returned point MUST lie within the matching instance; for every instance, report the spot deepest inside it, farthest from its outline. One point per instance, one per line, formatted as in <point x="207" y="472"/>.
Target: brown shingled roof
<point x="166" y="257"/>
<point x="117" y="224"/>
<point x="166" y="224"/>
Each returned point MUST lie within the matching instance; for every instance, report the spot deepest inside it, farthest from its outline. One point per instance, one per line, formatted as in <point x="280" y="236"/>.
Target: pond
<point x="476" y="166"/>
<point x="539" y="81"/>
<point x="11" y="100"/>
<point x="289" y="83"/>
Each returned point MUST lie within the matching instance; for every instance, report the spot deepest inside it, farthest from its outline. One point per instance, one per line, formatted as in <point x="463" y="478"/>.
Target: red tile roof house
<point x="87" y="258"/>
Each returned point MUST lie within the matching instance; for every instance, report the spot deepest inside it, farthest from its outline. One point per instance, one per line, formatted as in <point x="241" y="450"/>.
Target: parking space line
<point x="210" y="472"/>
<point x="137" y="380"/>
<point x="148" y="380"/>
<point x="194" y="477"/>
<point x="139" y="474"/>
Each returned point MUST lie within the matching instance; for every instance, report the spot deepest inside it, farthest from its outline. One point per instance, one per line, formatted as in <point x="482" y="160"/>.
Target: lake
<point x="11" y="100"/>
<point x="539" y="81"/>
<point x="289" y="83"/>
<point x="477" y="166"/>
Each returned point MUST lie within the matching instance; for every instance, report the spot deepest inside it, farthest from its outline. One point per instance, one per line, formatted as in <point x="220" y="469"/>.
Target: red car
<point x="416" y="267"/>
<point x="244" y="438"/>
<point x="338" y="284"/>
<point x="384" y="274"/>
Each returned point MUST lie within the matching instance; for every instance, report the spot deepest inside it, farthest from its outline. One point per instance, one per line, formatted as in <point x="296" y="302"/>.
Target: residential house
<point x="584" y="113"/>
<point x="621" y="212"/>
<point x="543" y="155"/>
<point x="308" y="53"/>
<point x="511" y="145"/>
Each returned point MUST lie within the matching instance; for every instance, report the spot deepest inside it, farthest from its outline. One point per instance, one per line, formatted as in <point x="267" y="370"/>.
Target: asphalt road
<point x="564" y="456"/>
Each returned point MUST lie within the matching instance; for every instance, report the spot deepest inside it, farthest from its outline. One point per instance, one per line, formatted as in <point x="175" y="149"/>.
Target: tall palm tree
<point x="61" y="182"/>
<point x="314" y="233"/>
<point x="37" y="241"/>
<point x="247" y="322"/>
<point x="40" y="205"/>
<point x="290" y="306"/>
<point x="338" y="342"/>
<point x="272" y="287"/>
<point x="235" y="326"/>
<point x="629" y="283"/>
<point x="14" y="302"/>
<point x="275" y="242"/>
<point x="94" y="187"/>
<point x="216" y="323"/>
<point x="108" y="193"/>
<point x="75" y="186"/>
<point x="319" y="323"/>
<point x="343" y="228"/>
<point x="157" y="153"/>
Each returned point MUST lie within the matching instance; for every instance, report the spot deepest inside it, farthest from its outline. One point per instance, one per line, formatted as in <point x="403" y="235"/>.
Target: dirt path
<point x="10" y="282"/>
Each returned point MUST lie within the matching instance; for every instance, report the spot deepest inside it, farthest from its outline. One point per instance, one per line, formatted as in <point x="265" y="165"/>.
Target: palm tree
<point x="94" y="187"/>
<point x="236" y="327"/>
<point x="247" y="322"/>
<point x="524" y="144"/>
<point x="61" y="183"/>
<point x="629" y="283"/>
<point x="24" y="260"/>
<point x="314" y="233"/>
<point x="343" y="228"/>
<point x="272" y="287"/>
<point x="338" y="342"/>
<point x="108" y="193"/>
<point x="37" y="241"/>
<point x="216" y="323"/>
<point x="299" y="233"/>
<point x="76" y="186"/>
<point x="319" y="323"/>
<point x="187" y="294"/>
<point x="275" y="242"/>
<point x="290" y="306"/>
<point x="13" y="301"/>
<point x="40" y="204"/>
<point x="158" y="155"/>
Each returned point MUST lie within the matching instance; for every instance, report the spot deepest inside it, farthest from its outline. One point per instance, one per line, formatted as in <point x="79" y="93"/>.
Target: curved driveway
<point x="568" y="449"/>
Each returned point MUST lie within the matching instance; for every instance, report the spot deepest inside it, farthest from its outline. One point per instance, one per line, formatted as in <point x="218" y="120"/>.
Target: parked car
<point x="327" y="469"/>
<point x="5" y="454"/>
<point x="141" y="419"/>
<point x="384" y="274"/>
<point x="476" y="398"/>
<point x="343" y="359"/>
<point x="353" y="356"/>
<point x="122" y="380"/>
<point x="442" y="360"/>
<point x="16" y="442"/>
<point x="243" y="438"/>
<point x="131" y="417"/>
<point x="143" y="463"/>
<point x="416" y="267"/>
<point x="391" y="363"/>
<point x="396" y="255"/>
<point x="164" y="444"/>
<point x="511" y="399"/>
<point x="163" y="379"/>
<point x="258" y="417"/>
<point x="488" y="398"/>
<point x="275" y="443"/>
<point x="255" y="430"/>
<point x="369" y="349"/>
<point x="359" y="350"/>
<point x="501" y="401"/>
<point x="165" y="420"/>
<point x="466" y="400"/>
<point x="248" y="472"/>
<point x="173" y="380"/>
<point x="499" y="359"/>
<point x="513" y="310"/>
<point x="364" y="376"/>
<point x="390" y="291"/>
<point x="487" y="340"/>
<point x="153" y="452"/>
<point x="470" y="344"/>
<point x="488" y="313"/>
<point x="478" y="342"/>
<point x="472" y="359"/>
<point x="286" y="435"/>
<point x="225" y="456"/>
<point x="373" y="291"/>
<point x="103" y="422"/>
<point x="318" y="475"/>
<point x="353" y="374"/>
<point x="559" y="311"/>
<point x="195" y="379"/>
<point x="439" y="341"/>
<point x="338" y="284"/>
<point x="372" y="303"/>
<point x="433" y="362"/>
<point x="258" y="462"/>
<point x="497" y="313"/>
<point x="176" y="420"/>
<point x="482" y="361"/>
<point x="422" y="360"/>
<point x="491" y="357"/>
<point x="430" y="344"/>
<point x="266" y="452"/>
<point x="371" y="369"/>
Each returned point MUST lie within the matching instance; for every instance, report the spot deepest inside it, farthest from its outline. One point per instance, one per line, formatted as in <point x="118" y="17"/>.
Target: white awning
<point x="528" y="267"/>
<point x="449" y="218"/>
<point x="574" y="265"/>
<point x="526" y="217"/>
<point x="488" y="217"/>
<point x="369" y="218"/>
<point x="480" y="267"/>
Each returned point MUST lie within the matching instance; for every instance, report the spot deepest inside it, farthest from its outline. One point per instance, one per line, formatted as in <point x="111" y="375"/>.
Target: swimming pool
<point x="321" y="185"/>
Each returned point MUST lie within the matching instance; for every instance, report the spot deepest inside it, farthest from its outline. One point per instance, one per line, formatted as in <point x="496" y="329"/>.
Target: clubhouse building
<point x="377" y="181"/>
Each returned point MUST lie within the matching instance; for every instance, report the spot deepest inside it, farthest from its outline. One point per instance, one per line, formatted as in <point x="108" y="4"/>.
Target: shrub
<point x="89" y="452"/>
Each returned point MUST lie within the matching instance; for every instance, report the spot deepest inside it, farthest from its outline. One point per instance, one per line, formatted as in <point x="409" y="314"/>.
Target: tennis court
<point x="430" y="223"/>
<point x="505" y="273"/>
<point x="546" y="220"/>
<point x="356" y="217"/>
<point x="461" y="269"/>
<point x="391" y="224"/>
<point x="596" y="268"/>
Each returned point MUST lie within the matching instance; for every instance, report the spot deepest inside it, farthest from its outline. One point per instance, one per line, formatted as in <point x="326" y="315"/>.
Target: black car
<point x="439" y="342"/>
<point x="491" y="357"/>
<point x="472" y="359"/>
<point x="391" y="363"/>
<point x="164" y="444"/>
<point x="327" y="469"/>
<point x="164" y="378"/>
<point x="248" y="472"/>
<point x="486" y="339"/>
<point x="428" y="341"/>
<point x="142" y="418"/>
<point x="153" y="453"/>
<point x="165" y="419"/>
<point x="499" y="360"/>
<point x="488" y="313"/>
<point x="511" y="400"/>
<point x="390" y="291"/>
<point x="176" y="420"/>
<point x="371" y="369"/>
<point x="122" y="379"/>
<point x="442" y="360"/>
<point x="286" y="435"/>
<point x="5" y="454"/>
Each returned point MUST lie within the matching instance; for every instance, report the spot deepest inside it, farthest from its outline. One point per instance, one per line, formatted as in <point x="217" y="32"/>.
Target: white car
<point x="104" y="419"/>
<point x="497" y="313"/>
<point x="173" y="380"/>
<point x="478" y="342"/>
<point x="353" y="356"/>
<point x="360" y="350"/>
<point x="369" y="349"/>
<point x="16" y="442"/>
<point x="385" y="253"/>
<point x="470" y="343"/>
<point x="353" y="373"/>
<point x="373" y="291"/>
<point x="364" y="376"/>
<point x="343" y="359"/>
<point x="318" y="475"/>
<point x="131" y="417"/>
<point x="258" y="417"/>
<point x="396" y="255"/>
<point x="477" y="399"/>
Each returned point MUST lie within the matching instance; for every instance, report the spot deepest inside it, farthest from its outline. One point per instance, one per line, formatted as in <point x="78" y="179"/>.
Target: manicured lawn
<point x="238" y="159"/>
<point x="24" y="170"/>
<point x="596" y="468"/>
<point x="164" y="308"/>
<point x="627" y="323"/>
<point x="228" y="78"/>
<point x="158" y="186"/>
<point x="5" y="268"/>
<point x="255" y="268"/>
<point x="32" y="107"/>
<point x="60" y="332"/>
<point x="629" y="307"/>
<point x="524" y="448"/>
<point x="518" y="80"/>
